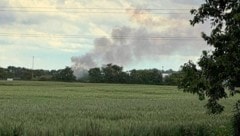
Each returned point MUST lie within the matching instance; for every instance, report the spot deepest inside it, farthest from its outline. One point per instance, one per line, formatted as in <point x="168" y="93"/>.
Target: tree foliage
<point x="236" y="119"/>
<point x="65" y="75"/>
<point x="111" y="73"/>
<point x="150" y="76"/>
<point x="219" y="68"/>
<point x="95" y="75"/>
<point x="114" y="74"/>
<point x="173" y="78"/>
<point x="18" y="73"/>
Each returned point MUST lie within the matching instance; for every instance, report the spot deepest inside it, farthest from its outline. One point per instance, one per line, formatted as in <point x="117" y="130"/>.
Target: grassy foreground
<point x="54" y="108"/>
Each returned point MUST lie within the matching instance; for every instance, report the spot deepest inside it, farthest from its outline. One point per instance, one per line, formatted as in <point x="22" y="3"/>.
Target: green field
<point x="55" y="108"/>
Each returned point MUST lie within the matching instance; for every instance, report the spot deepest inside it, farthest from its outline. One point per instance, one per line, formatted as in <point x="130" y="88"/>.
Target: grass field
<point x="55" y="108"/>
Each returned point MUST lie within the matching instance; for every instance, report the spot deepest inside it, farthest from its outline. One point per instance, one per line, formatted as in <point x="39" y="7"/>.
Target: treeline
<point x="106" y="74"/>
<point x="18" y="73"/>
<point x="115" y="74"/>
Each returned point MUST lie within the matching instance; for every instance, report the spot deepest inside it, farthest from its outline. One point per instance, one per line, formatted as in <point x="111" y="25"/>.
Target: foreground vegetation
<point x="55" y="108"/>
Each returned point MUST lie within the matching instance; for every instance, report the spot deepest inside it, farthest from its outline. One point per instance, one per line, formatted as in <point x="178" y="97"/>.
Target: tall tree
<point x="147" y="76"/>
<point x="3" y="73"/>
<point x="112" y="73"/>
<point x="95" y="75"/>
<point x="65" y="75"/>
<point x="218" y="68"/>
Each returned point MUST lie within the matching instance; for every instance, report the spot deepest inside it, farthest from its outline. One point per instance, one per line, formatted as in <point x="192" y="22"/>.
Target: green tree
<point x="112" y="73"/>
<point x="115" y="74"/>
<point x="3" y="73"/>
<point x="147" y="76"/>
<point x="134" y="76"/>
<point x="173" y="79"/>
<point x="236" y="119"/>
<point x="65" y="75"/>
<point x="95" y="75"/>
<point x="219" y="68"/>
<point x="124" y="77"/>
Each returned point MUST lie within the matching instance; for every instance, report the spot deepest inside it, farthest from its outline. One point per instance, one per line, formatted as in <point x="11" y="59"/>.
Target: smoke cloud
<point x="125" y="46"/>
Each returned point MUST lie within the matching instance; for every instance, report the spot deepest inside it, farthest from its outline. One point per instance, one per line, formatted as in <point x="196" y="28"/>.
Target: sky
<point x="82" y="34"/>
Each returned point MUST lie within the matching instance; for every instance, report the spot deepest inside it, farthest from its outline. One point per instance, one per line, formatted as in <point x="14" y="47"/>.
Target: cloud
<point x="115" y="37"/>
<point x="188" y="2"/>
<point x="6" y="17"/>
<point x="151" y="20"/>
<point x="148" y="20"/>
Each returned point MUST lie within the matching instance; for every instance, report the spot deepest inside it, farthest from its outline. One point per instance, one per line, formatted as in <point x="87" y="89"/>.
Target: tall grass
<point x="54" y="108"/>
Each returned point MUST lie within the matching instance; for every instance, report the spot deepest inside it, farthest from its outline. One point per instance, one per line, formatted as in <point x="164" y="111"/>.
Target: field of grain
<point x="55" y="108"/>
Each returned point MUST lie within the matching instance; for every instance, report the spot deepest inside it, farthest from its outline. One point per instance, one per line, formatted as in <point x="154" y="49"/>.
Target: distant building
<point x="166" y="74"/>
<point x="9" y="79"/>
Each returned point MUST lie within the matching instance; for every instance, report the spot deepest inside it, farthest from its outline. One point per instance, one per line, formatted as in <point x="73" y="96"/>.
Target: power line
<point x="81" y="12"/>
<point x="94" y="10"/>
<point x="99" y="36"/>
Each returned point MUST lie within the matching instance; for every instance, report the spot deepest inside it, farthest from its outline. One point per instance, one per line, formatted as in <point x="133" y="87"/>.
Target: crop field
<point x="55" y="108"/>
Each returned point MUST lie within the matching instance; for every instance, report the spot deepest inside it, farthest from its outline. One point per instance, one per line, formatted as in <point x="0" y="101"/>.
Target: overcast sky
<point x="88" y="33"/>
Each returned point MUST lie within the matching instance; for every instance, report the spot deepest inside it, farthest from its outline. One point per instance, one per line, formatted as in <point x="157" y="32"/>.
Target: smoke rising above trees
<point x="127" y="45"/>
